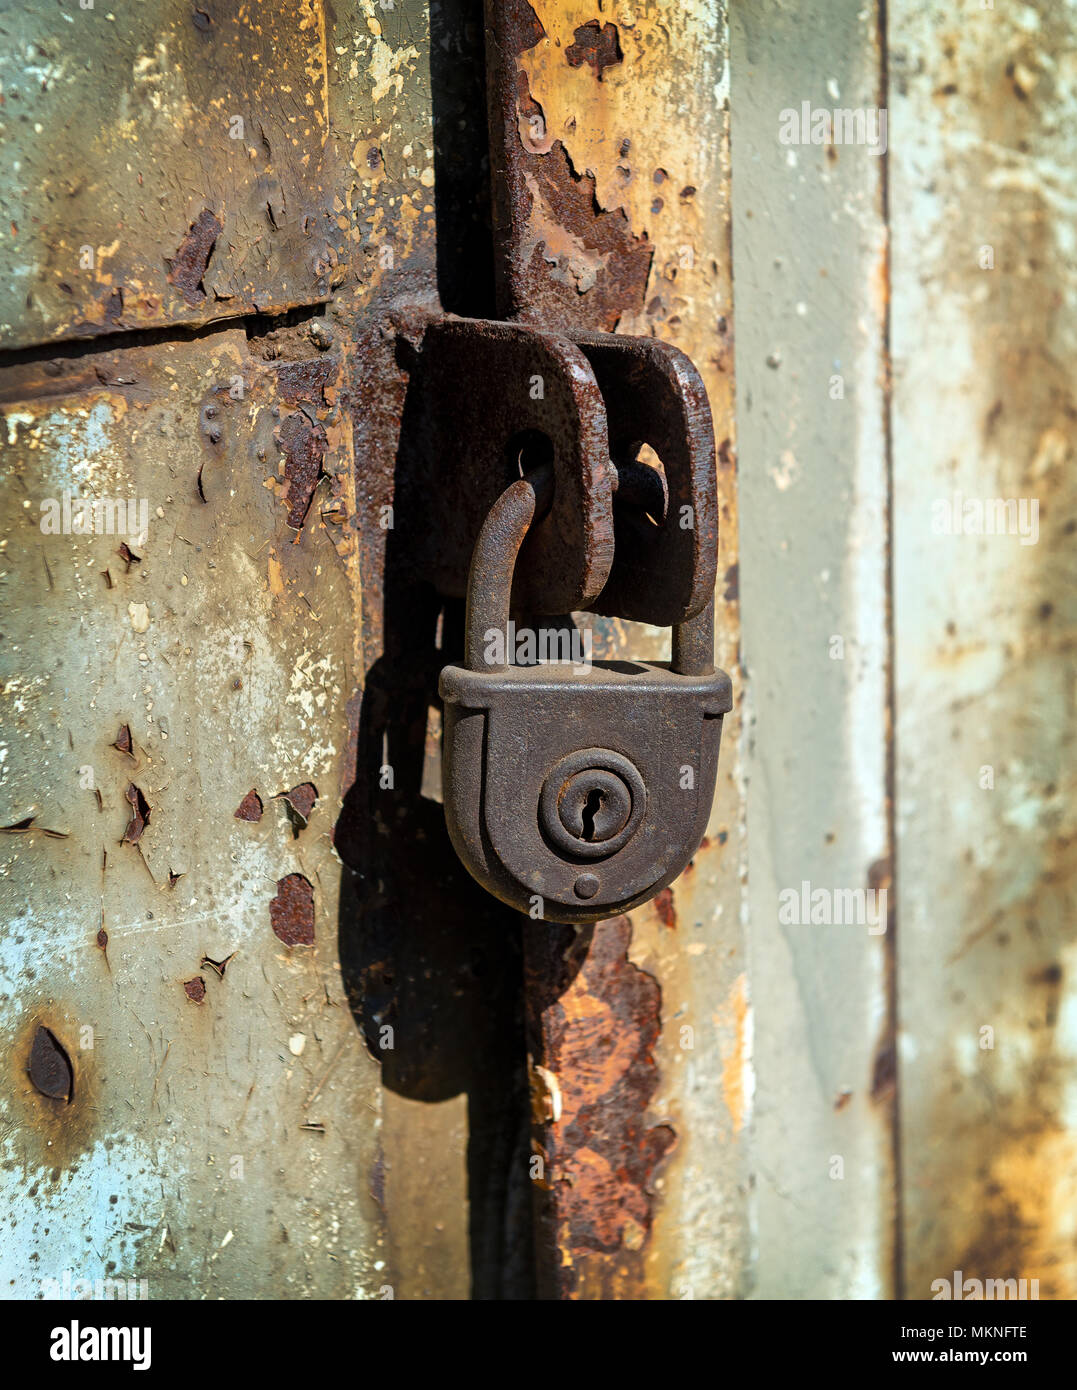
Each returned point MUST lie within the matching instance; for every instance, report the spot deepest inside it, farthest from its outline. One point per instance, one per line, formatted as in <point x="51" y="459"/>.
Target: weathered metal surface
<point x="518" y="738"/>
<point x="219" y="1097"/>
<point x="172" y="163"/>
<point x="562" y="259"/>
<point x="424" y="953"/>
<point x="592" y="248"/>
<point x="811" y="275"/>
<point x="983" y="191"/>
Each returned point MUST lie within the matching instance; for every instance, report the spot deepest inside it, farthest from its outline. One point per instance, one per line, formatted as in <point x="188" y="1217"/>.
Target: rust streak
<point x="188" y="265"/>
<point x="304" y="445"/>
<point x="593" y="1021"/>
<point x="563" y="260"/>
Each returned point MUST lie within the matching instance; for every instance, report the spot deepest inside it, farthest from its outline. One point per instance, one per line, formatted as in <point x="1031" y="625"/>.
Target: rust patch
<point x="304" y="445"/>
<point x="188" y="265"/>
<point x="581" y="264"/>
<point x="140" y="815"/>
<point x="195" y="989"/>
<point x="563" y="260"/>
<point x="112" y="307"/>
<point x="50" y="1067"/>
<point x="1022" y="1197"/>
<point x="302" y="799"/>
<point x="53" y="1130"/>
<point x="884" y="1073"/>
<point x="665" y="908"/>
<point x="593" y="1021"/>
<point x="597" y="45"/>
<point x="306" y="380"/>
<point x="299" y="803"/>
<point x="291" y="912"/>
<point x="523" y="27"/>
<point x="250" y="808"/>
<point x="884" y="1068"/>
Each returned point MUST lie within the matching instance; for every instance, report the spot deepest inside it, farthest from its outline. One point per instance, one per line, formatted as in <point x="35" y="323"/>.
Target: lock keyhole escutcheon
<point x="592" y="803"/>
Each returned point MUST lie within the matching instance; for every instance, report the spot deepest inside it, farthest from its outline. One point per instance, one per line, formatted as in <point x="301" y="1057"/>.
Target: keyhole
<point x="591" y="808"/>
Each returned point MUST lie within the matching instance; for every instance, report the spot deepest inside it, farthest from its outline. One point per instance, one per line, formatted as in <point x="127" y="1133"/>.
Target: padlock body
<point x="576" y="794"/>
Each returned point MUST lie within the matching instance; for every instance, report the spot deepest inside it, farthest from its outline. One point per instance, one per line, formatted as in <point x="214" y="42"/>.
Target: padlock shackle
<point x="489" y="586"/>
<point x="692" y="653"/>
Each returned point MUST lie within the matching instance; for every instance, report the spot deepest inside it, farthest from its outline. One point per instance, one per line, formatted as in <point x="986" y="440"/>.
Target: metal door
<point x="261" y="1034"/>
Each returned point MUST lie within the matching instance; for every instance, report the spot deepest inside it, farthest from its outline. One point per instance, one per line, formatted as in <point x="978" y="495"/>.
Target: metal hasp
<point x="571" y="794"/>
<point x="574" y="793"/>
<point x="487" y="400"/>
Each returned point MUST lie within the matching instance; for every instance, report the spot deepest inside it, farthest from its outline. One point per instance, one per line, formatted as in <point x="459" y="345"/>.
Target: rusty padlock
<point x="574" y="792"/>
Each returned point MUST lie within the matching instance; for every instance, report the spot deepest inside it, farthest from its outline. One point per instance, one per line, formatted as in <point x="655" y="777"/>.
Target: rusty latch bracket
<point x="489" y="401"/>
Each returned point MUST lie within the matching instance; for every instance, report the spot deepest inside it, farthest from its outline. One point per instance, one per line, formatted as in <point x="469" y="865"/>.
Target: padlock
<point x="574" y="791"/>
